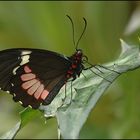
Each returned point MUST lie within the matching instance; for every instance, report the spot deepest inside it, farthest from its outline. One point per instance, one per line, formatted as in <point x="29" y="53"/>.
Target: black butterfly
<point x="35" y="76"/>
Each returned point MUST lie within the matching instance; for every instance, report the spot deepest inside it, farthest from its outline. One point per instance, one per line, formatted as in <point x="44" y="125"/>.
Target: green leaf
<point x="12" y="133"/>
<point x="86" y="92"/>
<point x="26" y="116"/>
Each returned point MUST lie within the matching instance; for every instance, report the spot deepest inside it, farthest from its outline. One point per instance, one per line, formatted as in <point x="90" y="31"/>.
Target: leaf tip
<point x="124" y="46"/>
<point x="121" y="40"/>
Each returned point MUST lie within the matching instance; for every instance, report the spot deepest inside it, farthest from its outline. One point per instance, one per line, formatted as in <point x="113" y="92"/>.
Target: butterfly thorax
<point x="76" y="66"/>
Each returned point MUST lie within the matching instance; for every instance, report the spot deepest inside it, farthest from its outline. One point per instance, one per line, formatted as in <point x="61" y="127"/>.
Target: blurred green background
<point x="44" y="25"/>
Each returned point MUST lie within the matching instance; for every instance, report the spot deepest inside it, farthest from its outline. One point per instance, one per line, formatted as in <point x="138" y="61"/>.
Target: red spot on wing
<point x="38" y="92"/>
<point x="27" y="69"/>
<point x="44" y="94"/>
<point x="32" y="85"/>
<point x="32" y="89"/>
<point x="28" y="84"/>
<point x="28" y="76"/>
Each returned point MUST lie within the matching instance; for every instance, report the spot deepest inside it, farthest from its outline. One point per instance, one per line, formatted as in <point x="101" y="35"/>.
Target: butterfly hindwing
<point x="32" y="90"/>
<point x="33" y="76"/>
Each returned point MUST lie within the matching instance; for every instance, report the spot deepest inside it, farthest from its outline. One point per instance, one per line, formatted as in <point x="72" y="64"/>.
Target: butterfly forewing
<point x="8" y="61"/>
<point x="33" y="76"/>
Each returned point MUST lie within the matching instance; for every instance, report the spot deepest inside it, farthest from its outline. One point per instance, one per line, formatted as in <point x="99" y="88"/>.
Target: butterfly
<point x="35" y="76"/>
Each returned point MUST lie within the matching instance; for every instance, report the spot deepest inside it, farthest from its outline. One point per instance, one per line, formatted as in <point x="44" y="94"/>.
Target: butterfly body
<point x="76" y="66"/>
<point x="35" y="76"/>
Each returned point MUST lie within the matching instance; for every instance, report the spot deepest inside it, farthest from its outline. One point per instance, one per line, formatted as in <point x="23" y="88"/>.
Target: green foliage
<point x="43" y="24"/>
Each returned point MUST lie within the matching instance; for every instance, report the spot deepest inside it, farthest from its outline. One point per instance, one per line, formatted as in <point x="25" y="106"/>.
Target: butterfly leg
<point x="98" y="75"/>
<point x="95" y="66"/>
<point x="63" y="99"/>
<point x="83" y="74"/>
<point x="71" y="93"/>
<point x="65" y="95"/>
<point x="107" y="68"/>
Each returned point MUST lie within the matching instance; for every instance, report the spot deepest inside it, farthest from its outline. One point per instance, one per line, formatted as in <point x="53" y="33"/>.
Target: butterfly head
<point x="79" y="53"/>
<point x="77" y="56"/>
<point x="80" y="56"/>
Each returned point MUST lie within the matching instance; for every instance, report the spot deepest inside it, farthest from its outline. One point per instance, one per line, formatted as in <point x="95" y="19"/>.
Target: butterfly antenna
<point x="81" y="33"/>
<point x="72" y="28"/>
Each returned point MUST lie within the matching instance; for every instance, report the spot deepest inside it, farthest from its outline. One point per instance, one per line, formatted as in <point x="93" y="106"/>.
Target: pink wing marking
<point x="44" y="94"/>
<point x="26" y="77"/>
<point x="32" y="89"/>
<point x="34" y="86"/>
<point x="27" y="69"/>
<point x="39" y="91"/>
<point x="28" y="84"/>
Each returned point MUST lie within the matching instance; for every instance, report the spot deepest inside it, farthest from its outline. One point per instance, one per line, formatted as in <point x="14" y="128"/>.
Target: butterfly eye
<point x="84" y="59"/>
